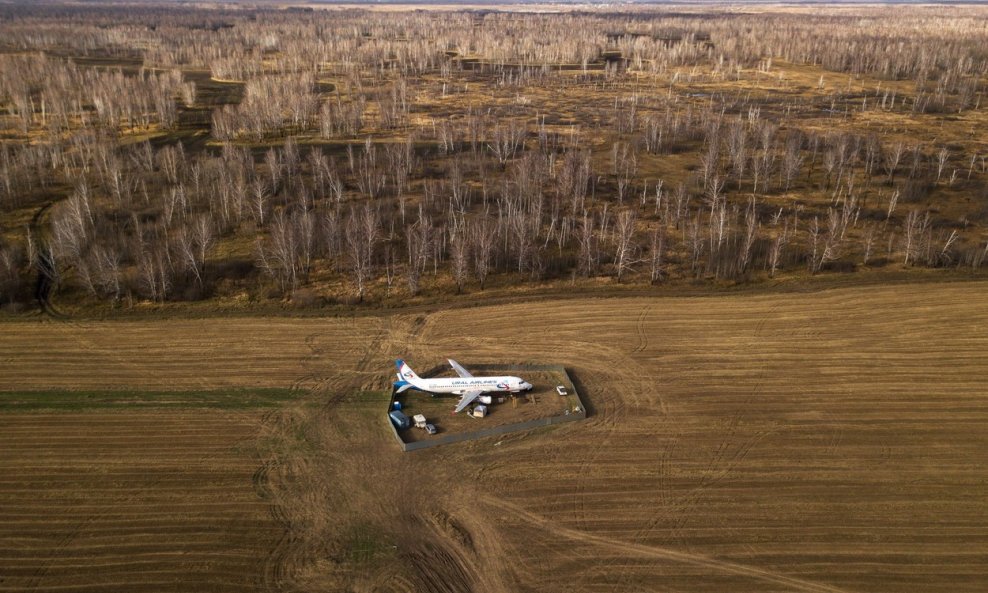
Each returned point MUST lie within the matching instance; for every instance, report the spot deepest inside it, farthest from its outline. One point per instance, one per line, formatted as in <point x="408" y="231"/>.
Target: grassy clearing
<point x="67" y="400"/>
<point x="366" y="544"/>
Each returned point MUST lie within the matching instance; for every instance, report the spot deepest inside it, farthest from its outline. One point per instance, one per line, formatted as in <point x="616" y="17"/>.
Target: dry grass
<point x="135" y="501"/>
<point x="833" y="439"/>
<point x="188" y="354"/>
<point x="829" y="441"/>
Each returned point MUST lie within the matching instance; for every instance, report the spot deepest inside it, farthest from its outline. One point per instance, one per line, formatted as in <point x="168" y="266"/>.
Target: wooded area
<point x="179" y="153"/>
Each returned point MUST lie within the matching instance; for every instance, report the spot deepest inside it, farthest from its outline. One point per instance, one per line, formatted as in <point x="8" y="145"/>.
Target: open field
<point x="142" y="500"/>
<point x="829" y="441"/>
<point x="188" y="354"/>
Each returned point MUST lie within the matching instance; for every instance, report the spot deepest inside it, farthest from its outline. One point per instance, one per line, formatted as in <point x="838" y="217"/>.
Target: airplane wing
<point x="459" y="369"/>
<point x="465" y="400"/>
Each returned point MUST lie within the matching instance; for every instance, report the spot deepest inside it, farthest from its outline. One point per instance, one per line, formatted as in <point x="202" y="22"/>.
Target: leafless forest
<point x="169" y="153"/>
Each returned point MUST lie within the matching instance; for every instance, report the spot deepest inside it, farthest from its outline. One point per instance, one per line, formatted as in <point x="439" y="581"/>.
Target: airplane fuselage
<point x="461" y="385"/>
<point x="467" y="386"/>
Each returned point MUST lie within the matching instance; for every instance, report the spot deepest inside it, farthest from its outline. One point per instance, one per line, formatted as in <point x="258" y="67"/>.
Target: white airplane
<point x="466" y="385"/>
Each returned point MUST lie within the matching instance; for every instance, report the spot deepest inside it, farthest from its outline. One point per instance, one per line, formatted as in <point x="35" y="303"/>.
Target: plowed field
<point x="131" y="501"/>
<point x="821" y="442"/>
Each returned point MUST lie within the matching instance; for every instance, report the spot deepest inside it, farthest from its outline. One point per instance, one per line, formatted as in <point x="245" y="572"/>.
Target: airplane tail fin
<point x="406" y="375"/>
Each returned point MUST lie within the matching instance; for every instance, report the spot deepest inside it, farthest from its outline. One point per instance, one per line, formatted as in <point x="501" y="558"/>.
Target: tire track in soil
<point x="719" y="467"/>
<point x="432" y="561"/>
<point x="415" y="341"/>
<point x="636" y="379"/>
<point x="273" y="574"/>
<point x="612" y="409"/>
<point x="727" y="456"/>
<point x="276" y="573"/>
<point x="315" y="376"/>
<point x="659" y="553"/>
<point x="645" y="379"/>
<point x="330" y="388"/>
<point x="640" y="329"/>
<point x="608" y="413"/>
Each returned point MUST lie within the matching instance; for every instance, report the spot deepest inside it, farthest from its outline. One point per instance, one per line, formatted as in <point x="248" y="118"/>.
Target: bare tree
<point x="625" y="162"/>
<point x="693" y="239"/>
<point x="155" y="268"/>
<point x="657" y="253"/>
<point x="187" y="253"/>
<point x="588" y="257"/>
<point x="893" y="155"/>
<point x="259" y="200"/>
<point x="460" y="256"/>
<point x="750" y="233"/>
<point x="105" y="261"/>
<point x="792" y="160"/>
<point x="361" y="238"/>
<point x="624" y="246"/>
<point x="893" y="201"/>
<point x="506" y="140"/>
<point x="869" y="242"/>
<point x="484" y="239"/>
<point x="942" y="155"/>
<point x="776" y="250"/>
<point x="420" y="243"/>
<point x="913" y="230"/>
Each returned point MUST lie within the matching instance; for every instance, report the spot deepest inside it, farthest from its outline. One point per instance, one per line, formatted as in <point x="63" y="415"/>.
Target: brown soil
<point x="132" y="501"/>
<point x="832" y="441"/>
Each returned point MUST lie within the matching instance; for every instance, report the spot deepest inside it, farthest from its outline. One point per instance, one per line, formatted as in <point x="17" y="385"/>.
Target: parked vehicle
<point x="561" y="390"/>
<point x="430" y="428"/>
<point x="399" y="419"/>
<point x="420" y="421"/>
